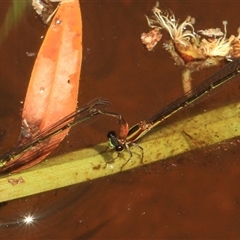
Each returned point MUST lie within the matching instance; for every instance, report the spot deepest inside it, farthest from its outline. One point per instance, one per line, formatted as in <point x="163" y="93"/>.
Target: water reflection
<point x="193" y="195"/>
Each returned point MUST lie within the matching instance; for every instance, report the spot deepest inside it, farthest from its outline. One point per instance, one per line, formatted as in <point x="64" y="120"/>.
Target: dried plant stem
<point x="187" y="80"/>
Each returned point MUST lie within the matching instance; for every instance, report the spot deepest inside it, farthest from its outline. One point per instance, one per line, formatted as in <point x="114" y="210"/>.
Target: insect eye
<point x="111" y="135"/>
<point x="119" y="148"/>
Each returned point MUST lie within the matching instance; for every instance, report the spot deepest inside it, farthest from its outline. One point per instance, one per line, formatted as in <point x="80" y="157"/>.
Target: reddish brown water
<point x="193" y="196"/>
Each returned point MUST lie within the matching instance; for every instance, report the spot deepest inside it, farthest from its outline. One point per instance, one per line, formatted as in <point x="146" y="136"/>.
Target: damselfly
<point x="128" y="137"/>
<point x="15" y="159"/>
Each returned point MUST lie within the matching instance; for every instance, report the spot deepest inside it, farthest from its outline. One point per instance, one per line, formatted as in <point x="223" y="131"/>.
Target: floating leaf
<point x="53" y="88"/>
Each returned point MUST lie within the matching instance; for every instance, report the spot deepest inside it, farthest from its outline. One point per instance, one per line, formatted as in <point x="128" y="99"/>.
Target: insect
<point x="35" y="145"/>
<point x="129" y="136"/>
